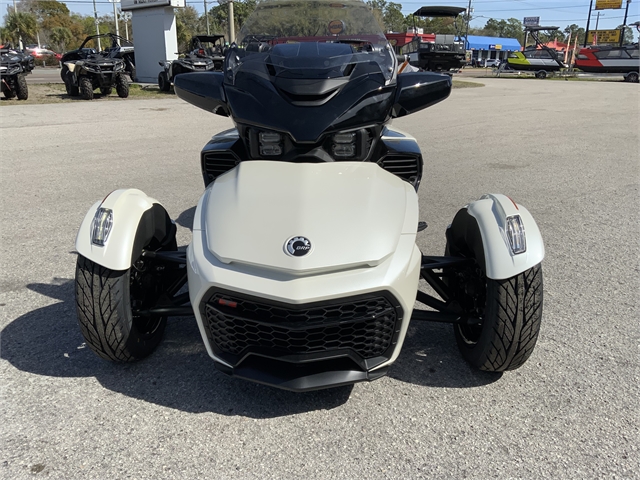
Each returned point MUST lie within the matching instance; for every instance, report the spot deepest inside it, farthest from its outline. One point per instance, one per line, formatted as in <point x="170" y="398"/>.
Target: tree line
<point x="49" y="22"/>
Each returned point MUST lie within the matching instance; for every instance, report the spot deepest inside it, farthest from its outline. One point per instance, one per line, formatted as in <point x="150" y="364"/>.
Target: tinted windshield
<point x="312" y="39"/>
<point x="284" y="21"/>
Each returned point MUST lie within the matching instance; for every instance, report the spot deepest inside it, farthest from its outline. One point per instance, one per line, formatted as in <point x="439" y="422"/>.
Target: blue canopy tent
<point x="491" y="47"/>
<point x="477" y="42"/>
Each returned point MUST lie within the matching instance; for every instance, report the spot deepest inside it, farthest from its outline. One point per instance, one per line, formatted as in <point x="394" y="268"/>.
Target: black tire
<point x="8" y="93"/>
<point x="163" y="82"/>
<point x="72" y="90"/>
<point x="86" y="88"/>
<point x="106" y="91"/>
<point x="542" y="74"/>
<point x="104" y="307"/>
<point x="22" y="89"/>
<point x="122" y="86"/>
<point x="511" y="312"/>
<point x="632" y="77"/>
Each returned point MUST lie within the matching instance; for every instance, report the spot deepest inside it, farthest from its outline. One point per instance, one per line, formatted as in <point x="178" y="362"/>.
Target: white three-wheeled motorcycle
<point x="303" y="270"/>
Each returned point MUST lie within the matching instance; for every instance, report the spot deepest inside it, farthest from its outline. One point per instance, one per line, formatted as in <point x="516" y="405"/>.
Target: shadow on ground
<point x="185" y="219"/>
<point x="180" y="375"/>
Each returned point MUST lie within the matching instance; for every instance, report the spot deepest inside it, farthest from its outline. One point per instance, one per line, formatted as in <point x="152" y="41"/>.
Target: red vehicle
<point x="42" y="53"/>
<point x="610" y="59"/>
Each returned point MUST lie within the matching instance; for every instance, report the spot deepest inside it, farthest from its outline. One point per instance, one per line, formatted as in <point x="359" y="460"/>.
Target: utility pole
<point x="115" y="16"/>
<point x="15" y="10"/>
<point x="206" y="15"/>
<point x="95" y="16"/>
<point x="125" y="17"/>
<point x="597" y="21"/>
<point x="232" y="27"/>
<point x="466" y="35"/>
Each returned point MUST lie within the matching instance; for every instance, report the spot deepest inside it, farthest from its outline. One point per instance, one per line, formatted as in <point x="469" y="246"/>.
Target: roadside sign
<point x="531" y="21"/>
<point x="138" y="4"/>
<point x="604" y="36"/>
<point x="336" y="27"/>
<point x="495" y="47"/>
<point x="608" y="4"/>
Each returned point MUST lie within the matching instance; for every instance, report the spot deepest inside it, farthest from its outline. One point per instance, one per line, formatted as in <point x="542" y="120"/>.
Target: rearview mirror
<point x="419" y="90"/>
<point x="204" y="90"/>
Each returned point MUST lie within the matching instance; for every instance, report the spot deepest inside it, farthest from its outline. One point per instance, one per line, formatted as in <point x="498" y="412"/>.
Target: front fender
<point x="479" y="229"/>
<point x="138" y="221"/>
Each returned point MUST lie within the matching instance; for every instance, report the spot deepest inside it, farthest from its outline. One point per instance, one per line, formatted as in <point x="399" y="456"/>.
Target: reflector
<point x="516" y="234"/>
<point x="101" y="227"/>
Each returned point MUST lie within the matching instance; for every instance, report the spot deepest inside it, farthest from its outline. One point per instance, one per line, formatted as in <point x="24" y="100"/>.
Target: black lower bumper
<point x="303" y="346"/>
<point x="301" y="377"/>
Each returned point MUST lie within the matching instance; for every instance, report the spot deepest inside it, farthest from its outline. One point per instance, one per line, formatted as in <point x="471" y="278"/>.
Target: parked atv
<point x="14" y="67"/>
<point x="122" y="48"/>
<point x="86" y="69"/>
<point x="206" y="53"/>
<point x="304" y="269"/>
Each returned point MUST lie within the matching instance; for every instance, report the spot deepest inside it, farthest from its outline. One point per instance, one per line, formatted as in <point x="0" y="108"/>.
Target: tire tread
<point x="518" y="303"/>
<point x="99" y="301"/>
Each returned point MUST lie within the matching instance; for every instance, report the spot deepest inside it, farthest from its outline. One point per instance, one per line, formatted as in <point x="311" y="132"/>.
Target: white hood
<point x="352" y="214"/>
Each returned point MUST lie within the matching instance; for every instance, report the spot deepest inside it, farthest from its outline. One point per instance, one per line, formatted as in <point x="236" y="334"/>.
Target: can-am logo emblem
<point x="298" y="246"/>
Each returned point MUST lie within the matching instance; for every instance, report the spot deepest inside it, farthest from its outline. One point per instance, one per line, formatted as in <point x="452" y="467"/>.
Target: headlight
<point x="101" y="226"/>
<point x="119" y="66"/>
<point x="344" y="145"/>
<point x="270" y="143"/>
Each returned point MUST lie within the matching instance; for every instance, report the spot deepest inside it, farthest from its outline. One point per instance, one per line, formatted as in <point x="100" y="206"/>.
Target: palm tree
<point x="21" y="26"/>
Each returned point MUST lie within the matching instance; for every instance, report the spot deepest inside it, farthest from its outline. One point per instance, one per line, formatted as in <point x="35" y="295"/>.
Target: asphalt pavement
<point x="566" y="150"/>
<point x="44" y="75"/>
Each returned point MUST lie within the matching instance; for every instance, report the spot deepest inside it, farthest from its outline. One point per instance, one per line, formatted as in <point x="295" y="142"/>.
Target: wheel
<point x="72" y="90"/>
<point x="22" y="90"/>
<point x="132" y="72"/>
<point x="122" y="86"/>
<point x="106" y="91"/>
<point x="86" y="88"/>
<point x="632" y="77"/>
<point x="104" y="301"/>
<point x="107" y="299"/>
<point x="163" y="82"/>
<point x="541" y="74"/>
<point x="510" y="314"/>
<point x="8" y="92"/>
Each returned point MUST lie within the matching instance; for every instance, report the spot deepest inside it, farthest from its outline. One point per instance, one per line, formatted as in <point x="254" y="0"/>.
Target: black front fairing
<point x="312" y="82"/>
<point x="308" y="89"/>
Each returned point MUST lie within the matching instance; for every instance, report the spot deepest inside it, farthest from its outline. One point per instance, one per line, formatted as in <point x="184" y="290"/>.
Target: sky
<point x="558" y="13"/>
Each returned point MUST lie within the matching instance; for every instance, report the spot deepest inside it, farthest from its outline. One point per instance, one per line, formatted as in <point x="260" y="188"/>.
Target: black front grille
<point x="215" y="164"/>
<point x="237" y="325"/>
<point x="407" y="167"/>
